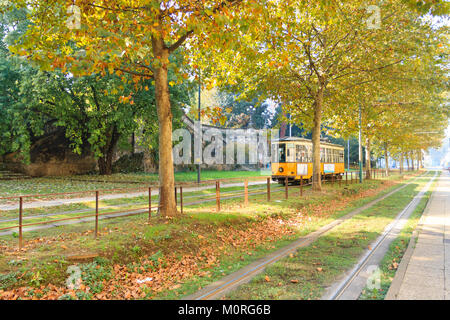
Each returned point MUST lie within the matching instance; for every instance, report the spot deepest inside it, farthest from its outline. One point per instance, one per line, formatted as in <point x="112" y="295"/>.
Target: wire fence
<point x="185" y="195"/>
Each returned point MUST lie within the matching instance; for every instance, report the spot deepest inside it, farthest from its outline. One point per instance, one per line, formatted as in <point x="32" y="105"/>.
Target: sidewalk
<point x="427" y="275"/>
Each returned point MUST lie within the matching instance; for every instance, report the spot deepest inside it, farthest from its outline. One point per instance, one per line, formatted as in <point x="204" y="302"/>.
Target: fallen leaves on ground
<point x="181" y="265"/>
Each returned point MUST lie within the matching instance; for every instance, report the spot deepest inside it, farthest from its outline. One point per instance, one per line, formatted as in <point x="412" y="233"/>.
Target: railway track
<point x="351" y="286"/>
<point x="220" y="288"/>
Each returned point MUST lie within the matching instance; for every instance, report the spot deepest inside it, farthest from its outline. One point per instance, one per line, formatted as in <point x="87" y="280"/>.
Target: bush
<point x="129" y="163"/>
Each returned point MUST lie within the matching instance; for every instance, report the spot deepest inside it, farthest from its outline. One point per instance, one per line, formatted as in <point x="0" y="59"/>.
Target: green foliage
<point x="93" y="275"/>
<point x="8" y="280"/>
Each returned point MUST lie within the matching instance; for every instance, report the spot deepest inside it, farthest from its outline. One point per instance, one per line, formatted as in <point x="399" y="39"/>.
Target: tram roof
<point x="298" y="139"/>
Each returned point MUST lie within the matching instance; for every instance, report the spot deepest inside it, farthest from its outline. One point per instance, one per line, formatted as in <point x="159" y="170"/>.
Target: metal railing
<point x="216" y="195"/>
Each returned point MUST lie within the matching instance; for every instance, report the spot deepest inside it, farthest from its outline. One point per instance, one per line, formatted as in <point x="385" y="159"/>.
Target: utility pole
<point x="348" y="154"/>
<point x="290" y="126"/>
<point x="360" y="147"/>
<point x="199" y="119"/>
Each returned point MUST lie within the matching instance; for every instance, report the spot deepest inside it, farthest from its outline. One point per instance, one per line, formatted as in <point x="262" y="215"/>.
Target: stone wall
<point x="51" y="155"/>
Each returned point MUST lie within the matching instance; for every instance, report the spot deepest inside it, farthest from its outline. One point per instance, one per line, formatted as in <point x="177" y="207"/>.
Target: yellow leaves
<point x="172" y="83"/>
<point x="267" y="279"/>
<point x="123" y="99"/>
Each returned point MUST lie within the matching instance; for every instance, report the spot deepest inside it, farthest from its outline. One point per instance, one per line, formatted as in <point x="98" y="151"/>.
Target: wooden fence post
<point x="149" y="203"/>
<point x="246" y="192"/>
<point x="176" y="200"/>
<point x="268" y="189"/>
<point x="20" y="222"/>
<point x="96" y="214"/>
<point x="181" y="199"/>
<point x="286" y="186"/>
<point x="301" y="186"/>
<point x="218" y="196"/>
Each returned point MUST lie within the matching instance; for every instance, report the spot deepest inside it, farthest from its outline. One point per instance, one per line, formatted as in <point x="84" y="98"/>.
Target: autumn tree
<point x="133" y="37"/>
<point x="313" y="56"/>
<point x="96" y="113"/>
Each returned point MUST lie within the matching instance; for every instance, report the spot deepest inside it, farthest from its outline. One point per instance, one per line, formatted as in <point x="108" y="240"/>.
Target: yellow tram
<point x="293" y="159"/>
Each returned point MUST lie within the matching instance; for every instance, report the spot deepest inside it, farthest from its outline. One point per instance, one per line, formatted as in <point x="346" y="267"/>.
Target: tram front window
<point x="282" y="153"/>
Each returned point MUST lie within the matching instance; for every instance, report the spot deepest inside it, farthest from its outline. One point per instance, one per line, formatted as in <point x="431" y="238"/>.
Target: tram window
<point x="301" y="153"/>
<point x="298" y="153"/>
<point x="322" y="155"/>
<point x="282" y="153"/>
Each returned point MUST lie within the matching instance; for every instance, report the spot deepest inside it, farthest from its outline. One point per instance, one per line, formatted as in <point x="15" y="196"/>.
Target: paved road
<point x="426" y="275"/>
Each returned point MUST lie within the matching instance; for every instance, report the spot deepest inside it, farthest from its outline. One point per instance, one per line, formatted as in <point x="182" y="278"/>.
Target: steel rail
<point x="363" y="262"/>
<point x="306" y="240"/>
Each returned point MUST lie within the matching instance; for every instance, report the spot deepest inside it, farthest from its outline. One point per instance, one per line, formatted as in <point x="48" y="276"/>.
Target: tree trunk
<point x="386" y="159"/>
<point x="368" y="164"/>
<point x="412" y="160"/>
<point x="420" y="159"/>
<point x="167" y="204"/>
<point x="317" y="184"/>
<point x="401" y="162"/>
<point x="106" y="161"/>
<point x="407" y="163"/>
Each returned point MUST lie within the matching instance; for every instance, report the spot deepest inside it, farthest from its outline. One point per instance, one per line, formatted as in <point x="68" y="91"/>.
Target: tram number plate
<point x="302" y="169"/>
<point x="328" y="167"/>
